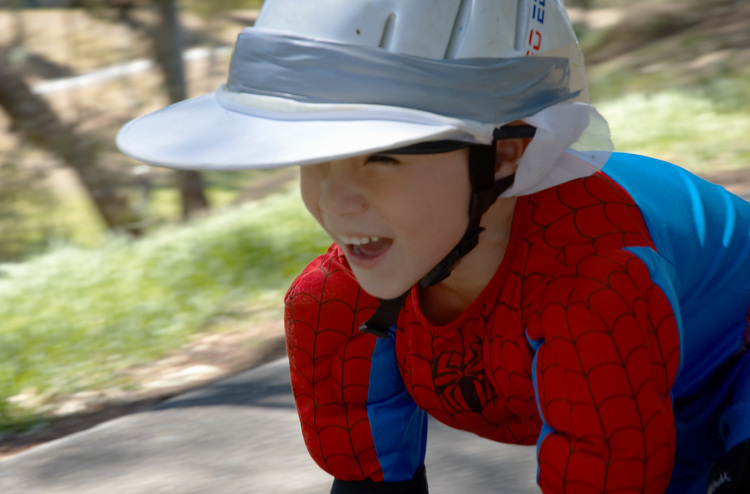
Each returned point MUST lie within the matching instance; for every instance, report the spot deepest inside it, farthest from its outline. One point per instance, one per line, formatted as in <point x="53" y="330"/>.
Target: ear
<point x="508" y="153"/>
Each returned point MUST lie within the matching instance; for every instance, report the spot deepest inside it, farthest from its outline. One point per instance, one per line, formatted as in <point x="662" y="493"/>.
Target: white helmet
<point x="314" y="81"/>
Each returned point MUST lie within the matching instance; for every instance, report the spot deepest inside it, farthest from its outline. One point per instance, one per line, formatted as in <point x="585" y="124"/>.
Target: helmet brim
<point x="200" y="134"/>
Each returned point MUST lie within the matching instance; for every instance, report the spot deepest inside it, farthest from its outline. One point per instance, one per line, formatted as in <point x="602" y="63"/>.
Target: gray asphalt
<point x="239" y="435"/>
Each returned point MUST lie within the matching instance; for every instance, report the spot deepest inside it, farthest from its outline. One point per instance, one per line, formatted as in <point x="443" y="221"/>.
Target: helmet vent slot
<point x="522" y="24"/>
<point x="459" y="29"/>
<point x="387" y="37"/>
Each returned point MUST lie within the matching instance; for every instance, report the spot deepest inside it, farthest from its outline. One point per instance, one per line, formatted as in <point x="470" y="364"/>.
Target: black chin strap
<point x="384" y="317"/>
<point x="485" y="191"/>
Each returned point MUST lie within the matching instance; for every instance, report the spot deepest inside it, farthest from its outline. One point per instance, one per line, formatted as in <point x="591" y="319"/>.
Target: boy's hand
<point x="731" y="474"/>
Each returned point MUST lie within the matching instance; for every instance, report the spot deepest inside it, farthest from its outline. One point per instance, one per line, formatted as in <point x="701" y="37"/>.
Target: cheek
<point x="429" y="229"/>
<point x="447" y="215"/>
<point x="310" y="193"/>
<point x="444" y="227"/>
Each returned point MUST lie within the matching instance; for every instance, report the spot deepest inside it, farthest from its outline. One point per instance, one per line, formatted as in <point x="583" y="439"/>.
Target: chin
<point x="383" y="292"/>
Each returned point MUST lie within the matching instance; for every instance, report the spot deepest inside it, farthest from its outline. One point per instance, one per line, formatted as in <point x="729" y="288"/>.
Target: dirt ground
<point x="735" y="181"/>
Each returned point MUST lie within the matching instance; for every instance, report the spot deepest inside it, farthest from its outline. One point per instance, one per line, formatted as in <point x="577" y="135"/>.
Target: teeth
<point x="359" y="240"/>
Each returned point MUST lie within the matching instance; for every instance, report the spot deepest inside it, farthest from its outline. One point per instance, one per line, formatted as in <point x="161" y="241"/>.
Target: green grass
<point x="74" y="317"/>
<point x="74" y="220"/>
<point x="671" y="83"/>
<point x="686" y="129"/>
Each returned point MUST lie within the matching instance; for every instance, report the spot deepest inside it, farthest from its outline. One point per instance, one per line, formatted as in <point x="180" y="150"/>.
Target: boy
<point x="599" y="312"/>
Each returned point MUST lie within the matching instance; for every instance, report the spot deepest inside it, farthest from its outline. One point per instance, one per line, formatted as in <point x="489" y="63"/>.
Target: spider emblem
<point x="460" y="381"/>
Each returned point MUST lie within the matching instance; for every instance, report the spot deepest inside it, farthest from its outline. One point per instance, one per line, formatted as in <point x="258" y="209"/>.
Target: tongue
<point x="372" y="249"/>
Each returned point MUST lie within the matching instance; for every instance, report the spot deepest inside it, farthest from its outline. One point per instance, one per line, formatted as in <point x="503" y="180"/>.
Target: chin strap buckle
<point x="384" y="317"/>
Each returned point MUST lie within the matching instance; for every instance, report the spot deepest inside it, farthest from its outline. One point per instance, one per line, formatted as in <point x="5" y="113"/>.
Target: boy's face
<point x="394" y="216"/>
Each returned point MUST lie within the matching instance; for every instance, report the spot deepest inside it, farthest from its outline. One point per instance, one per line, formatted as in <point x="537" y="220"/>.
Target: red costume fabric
<point x="571" y="346"/>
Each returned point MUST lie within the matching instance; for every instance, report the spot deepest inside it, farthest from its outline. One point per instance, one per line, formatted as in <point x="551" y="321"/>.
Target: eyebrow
<point x="429" y="147"/>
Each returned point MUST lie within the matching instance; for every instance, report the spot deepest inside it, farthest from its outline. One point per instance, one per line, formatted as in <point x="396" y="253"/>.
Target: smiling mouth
<point x="366" y="248"/>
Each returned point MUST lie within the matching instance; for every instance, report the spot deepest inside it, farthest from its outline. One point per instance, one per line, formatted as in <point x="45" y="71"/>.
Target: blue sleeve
<point x="702" y="237"/>
<point x="399" y="427"/>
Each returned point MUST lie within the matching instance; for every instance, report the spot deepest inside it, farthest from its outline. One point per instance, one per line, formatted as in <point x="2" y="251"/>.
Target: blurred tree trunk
<point x="168" y="46"/>
<point x="40" y="126"/>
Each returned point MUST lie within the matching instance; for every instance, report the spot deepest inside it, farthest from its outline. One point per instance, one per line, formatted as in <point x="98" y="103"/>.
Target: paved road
<point x="239" y="435"/>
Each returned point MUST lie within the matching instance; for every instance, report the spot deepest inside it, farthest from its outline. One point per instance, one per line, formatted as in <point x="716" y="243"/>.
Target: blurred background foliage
<point x="671" y="76"/>
<point x="106" y="262"/>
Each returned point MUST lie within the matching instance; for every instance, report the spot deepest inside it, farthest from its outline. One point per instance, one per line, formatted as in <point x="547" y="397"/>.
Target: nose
<point x="340" y="189"/>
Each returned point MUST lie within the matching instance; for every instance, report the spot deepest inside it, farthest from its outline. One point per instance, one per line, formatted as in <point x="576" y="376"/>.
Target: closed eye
<point x="382" y="158"/>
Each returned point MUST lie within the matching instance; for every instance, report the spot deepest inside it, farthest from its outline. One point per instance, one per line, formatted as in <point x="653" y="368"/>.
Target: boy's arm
<point x="369" y="437"/>
<point x="607" y="355"/>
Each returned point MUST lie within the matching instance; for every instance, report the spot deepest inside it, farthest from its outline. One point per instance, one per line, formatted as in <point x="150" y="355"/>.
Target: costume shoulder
<point x="326" y="298"/>
<point x="701" y="234"/>
<point x="589" y="216"/>
<point x="689" y="218"/>
<point x="326" y="277"/>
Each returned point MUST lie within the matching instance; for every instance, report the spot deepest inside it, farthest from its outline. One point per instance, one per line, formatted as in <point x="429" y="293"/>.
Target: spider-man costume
<point x="611" y="336"/>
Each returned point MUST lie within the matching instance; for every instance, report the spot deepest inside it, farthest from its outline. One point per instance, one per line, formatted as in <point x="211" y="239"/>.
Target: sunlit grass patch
<point x="688" y="130"/>
<point x="73" y="317"/>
